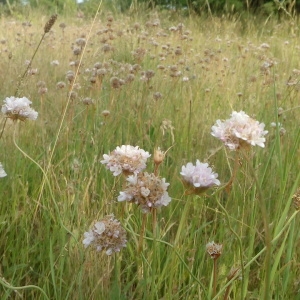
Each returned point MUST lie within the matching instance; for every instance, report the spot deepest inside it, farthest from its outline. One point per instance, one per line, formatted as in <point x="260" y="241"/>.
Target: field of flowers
<point x="149" y="156"/>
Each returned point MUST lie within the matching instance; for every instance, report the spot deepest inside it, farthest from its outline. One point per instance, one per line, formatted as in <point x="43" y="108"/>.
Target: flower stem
<point x="141" y="238"/>
<point x="234" y="172"/>
<point x="268" y="240"/>
<point x="3" y="128"/>
<point x="215" y="277"/>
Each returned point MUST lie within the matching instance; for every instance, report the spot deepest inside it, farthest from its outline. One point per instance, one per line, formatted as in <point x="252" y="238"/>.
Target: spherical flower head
<point x="126" y="159"/>
<point x="18" y="109"/>
<point x="107" y="235"/>
<point x="199" y="177"/>
<point x="214" y="250"/>
<point x="2" y="172"/>
<point x="240" y="131"/>
<point x="146" y="190"/>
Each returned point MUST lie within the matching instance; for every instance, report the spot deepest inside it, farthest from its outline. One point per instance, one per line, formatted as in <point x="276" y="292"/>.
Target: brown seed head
<point x="50" y="23"/>
<point x="214" y="250"/>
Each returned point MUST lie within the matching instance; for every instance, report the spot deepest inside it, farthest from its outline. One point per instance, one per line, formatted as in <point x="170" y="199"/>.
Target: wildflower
<point x="2" y="172"/>
<point x="240" y="131"/>
<point x="199" y="177"/>
<point x="60" y="85"/>
<point x="214" y="250"/>
<point x="54" y="63"/>
<point x="146" y="190"/>
<point x="126" y="159"/>
<point x="107" y="235"/>
<point x="105" y="113"/>
<point x="18" y="109"/>
<point x="87" y="101"/>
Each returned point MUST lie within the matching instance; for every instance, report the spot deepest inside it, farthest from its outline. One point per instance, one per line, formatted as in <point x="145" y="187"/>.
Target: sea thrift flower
<point x="126" y="159"/>
<point x="2" y="172"/>
<point x="18" y="109"/>
<point x="146" y="190"/>
<point x="199" y="177"/>
<point x="107" y="235"/>
<point x="240" y="131"/>
<point x="214" y="250"/>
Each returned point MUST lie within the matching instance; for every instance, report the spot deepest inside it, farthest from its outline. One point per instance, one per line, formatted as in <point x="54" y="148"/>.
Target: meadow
<point x="149" y="79"/>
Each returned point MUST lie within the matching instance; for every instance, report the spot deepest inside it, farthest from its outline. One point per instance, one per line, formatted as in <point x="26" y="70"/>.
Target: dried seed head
<point x="87" y="101"/>
<point x="50" y="23"/>
<point x="60" y="85"/>
<point x="214" y="249"/>
<point x="105" y="113"/>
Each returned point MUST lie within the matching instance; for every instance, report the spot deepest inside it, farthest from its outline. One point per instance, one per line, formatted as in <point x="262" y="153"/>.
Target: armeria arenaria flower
<point x="2" y="172"/>
<point x="146" y="190"/>
<point x="240" y="131"/>
<point x="199" y="177"/>
<point x="107" y="235"/>
<point x="18" y="109"/>
<point x="126" y="159"/>
<point x="214" y="250"/>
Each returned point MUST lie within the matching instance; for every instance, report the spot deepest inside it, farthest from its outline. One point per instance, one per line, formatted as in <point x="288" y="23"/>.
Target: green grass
<point x="47" y="205"/>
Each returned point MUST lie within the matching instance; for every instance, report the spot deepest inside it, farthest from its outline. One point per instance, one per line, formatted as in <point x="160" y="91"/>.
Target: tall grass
<point x="56" y="186"/>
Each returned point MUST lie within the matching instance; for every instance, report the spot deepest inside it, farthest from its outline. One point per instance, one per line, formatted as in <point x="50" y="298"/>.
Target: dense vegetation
<point x="262" y="7"/>
<point x="148" y="78"/>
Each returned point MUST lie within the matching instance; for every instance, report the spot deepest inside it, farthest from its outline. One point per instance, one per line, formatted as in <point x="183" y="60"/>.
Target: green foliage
<point x="57" y="6"/>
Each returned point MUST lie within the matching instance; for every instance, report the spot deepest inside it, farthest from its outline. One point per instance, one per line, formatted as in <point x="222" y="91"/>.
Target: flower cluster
<point x="126" y="159"/>
<point x="18" y="109"/>
<point x="239" y="131"/>
<point x="107" y="235"/>
<point x="2" y="172"/>
<point x="199" y="177"/>
<point x="214" y="250"/>
<point x="146" y="190"/>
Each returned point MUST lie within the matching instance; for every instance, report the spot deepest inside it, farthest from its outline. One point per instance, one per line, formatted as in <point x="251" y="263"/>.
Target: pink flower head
<point x="240" y="130"/>
<point x="146" y="190"/>
<point x="199" y="177"/>
<point x="126" y="159"/>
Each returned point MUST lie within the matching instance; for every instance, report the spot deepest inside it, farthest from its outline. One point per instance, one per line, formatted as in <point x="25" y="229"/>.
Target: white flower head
<point x="2" y="172"/>
<point x="146" y="190"/>
<point x="126" y="159"/>
<point x="107" y="235"/>
<point x="199" y="177"/>
<point x="240" y="131"/>
<point x="18" y="109"/>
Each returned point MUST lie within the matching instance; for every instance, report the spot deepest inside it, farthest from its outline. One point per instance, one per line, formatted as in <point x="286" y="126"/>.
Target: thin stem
<point x="234" y="172"/>
<point x="9" y="286"/>
<point x="215" y="276"/>
<point x="141" y="238"/>
<point x="3" y="128"/>
<point x="266" y="229"/>
<point x="29" y="65"/>
<point x="228" y="289"/>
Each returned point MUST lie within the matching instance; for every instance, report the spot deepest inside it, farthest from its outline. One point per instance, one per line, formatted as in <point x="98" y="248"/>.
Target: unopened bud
<point x="158" y="156"/>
